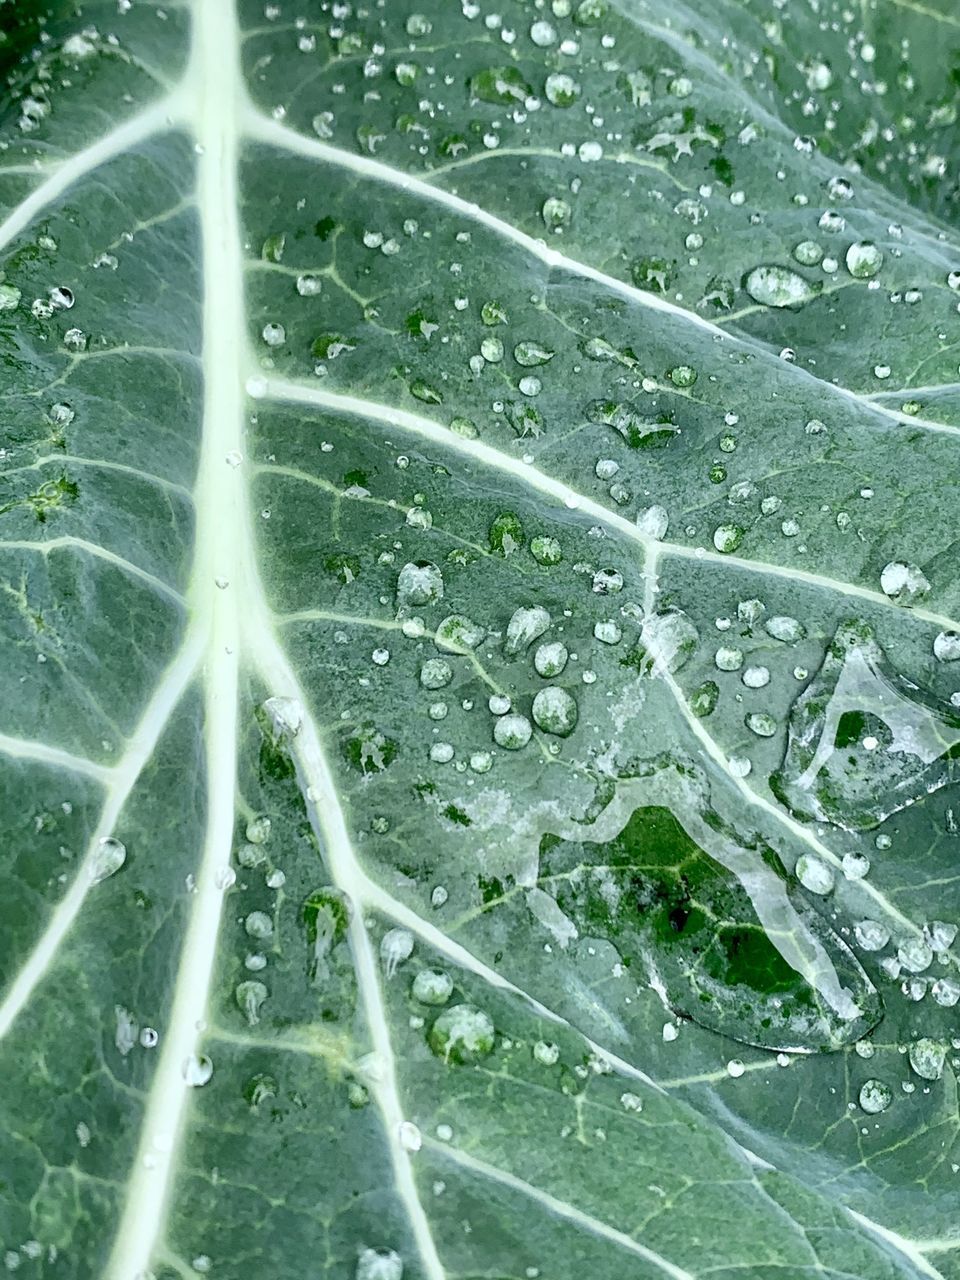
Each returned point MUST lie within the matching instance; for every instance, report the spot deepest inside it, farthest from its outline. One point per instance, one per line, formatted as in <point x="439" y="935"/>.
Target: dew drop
<point x="774" y="286"/>
<point x="462" y="1034"/>
<point x="555" y="711"/>
<point x="396" y="945"/>
<point x="197" y="1070"/>
<point x="874" y="1097"/>
<point x="108" y="858"/>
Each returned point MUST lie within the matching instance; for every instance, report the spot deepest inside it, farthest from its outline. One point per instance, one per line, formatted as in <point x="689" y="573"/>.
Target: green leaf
<point x="480" y="604"/>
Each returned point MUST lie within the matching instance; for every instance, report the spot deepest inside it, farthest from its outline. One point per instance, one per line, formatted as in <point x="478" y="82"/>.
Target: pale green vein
<point x="314" y="1042"/>
<point x="101" y="464"/>
<point x="42" y="753"/>
<point x="936" y="15"/>
<point x="618" y="158"/>
<point x="265" y="130"/>
<point x="295" y="392"/>
<point x="67" y="542"/>
<point x="120" y="781"/>
<point x="906" y="1247"/>
<point x="584" y="1221"/>
<point x="124" y="138"/>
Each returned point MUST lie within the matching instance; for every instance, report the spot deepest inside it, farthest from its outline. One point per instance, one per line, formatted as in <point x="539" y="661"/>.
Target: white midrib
<point x="210" y="104"/>
<point x="213" y="99"/>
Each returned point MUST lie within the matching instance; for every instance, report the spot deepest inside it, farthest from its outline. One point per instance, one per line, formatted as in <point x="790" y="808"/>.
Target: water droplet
<point x="855" y="866"/>
<point x="561" y="90"/>
<point x="512" y="731"/>
<point x="109" y="856"/>
<point x="546" y="551"/>
<point x="814" y="874"/>
<point x="946" y="992"/>
<point x="727" y="537"/>
<point x="197" y="1070"/>
<point x="258" y="829"/>
<point x="555" y="711"/>
<point x="504" y="86"/>
<point x="927" y="1058"/>
<point x="556" y="213"/>
<point x="946" y="646"/>
<point x="940" y="935"/>
<point x="432" y="986"/>
<point x="652" y="522"/>
<point x="550" y="659"/>
<point x="760" y="723"/>
<point x="462" y="1034"/>
<point x="756" y="677"/>
<point x="409" y="1136"/>
<point x="458" y="634"/>
<point x="380" y="1264"/>
<point x="774" y="286"/>
<point x="531" y="354"/>
<point x="419" y="584"/>
<point x="787" y="630"/>
<point x="874" y="1097"/>
<point x="435" y="673"/>
<point x="543" y="34"/>
<point x="915" y="955"/>
<point x="285" y="715"/>
<point x="525" y="626"/>
<point x="250" y="996"/>
<point x="871" y="935"/>
<point x="396" y="945"/>
<point x="864" y="260"/>
<point x="258" y="925"/>
<point x="808" y="253"/>
<point x="864" y="741"/>
<point x="667" y="640"/>
<point x="905" y="583"/>
<point x="728" y="659"/>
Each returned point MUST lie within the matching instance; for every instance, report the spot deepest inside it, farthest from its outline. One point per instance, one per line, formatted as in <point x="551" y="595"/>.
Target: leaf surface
<point x="478" y="591"/>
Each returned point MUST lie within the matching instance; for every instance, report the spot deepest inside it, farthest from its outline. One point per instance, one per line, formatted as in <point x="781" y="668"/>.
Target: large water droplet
<point x="555" y="711"/>
<point x="462" y="1034"/>
<point x="108" y="857"/>
<point x="197" y="1070"/>
<point x="250" y="996"/>
<point x="779" y="287"/>
<point x="525" y="626"/>
<point x="419" y="584"/>
<point x="379" y="1264"/>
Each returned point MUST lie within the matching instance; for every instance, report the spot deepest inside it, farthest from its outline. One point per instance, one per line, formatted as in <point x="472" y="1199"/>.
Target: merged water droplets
<point x="717" y="929"/>
<point x="864" y="741"/>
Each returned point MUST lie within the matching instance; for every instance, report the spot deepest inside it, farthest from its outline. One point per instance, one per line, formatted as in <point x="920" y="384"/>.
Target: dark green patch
<point x="370" y="751"/>
<point x="325" y="228"/>
<point x="453" y="814"/>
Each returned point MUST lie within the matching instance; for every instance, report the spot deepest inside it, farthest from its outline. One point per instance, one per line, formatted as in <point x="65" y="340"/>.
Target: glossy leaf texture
<point x="479" y="600"/>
